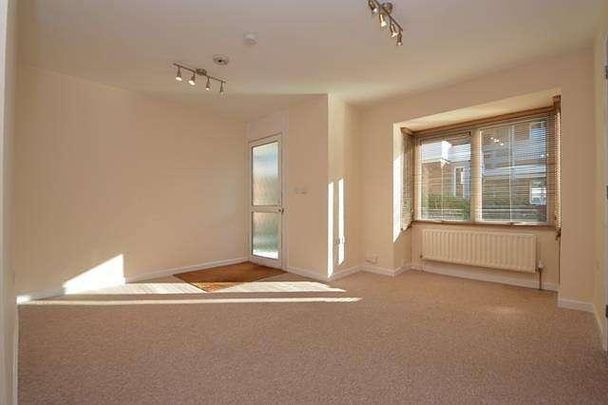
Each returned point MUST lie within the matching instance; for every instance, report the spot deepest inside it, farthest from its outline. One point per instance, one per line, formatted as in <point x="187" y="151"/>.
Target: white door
<point x="266" y="205"/>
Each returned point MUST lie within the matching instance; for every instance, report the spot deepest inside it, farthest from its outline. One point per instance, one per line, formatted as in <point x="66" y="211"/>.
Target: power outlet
<point x="372" y="259"/>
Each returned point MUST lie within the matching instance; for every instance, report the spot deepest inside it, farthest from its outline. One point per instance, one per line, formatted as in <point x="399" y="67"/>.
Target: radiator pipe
<point x="540" y="269"/>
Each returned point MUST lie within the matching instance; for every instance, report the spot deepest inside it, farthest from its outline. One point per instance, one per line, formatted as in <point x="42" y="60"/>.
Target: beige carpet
<point x="416" y="338"/>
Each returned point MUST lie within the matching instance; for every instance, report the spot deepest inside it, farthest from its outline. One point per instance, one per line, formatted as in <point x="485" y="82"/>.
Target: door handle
<point x="280" y="210"/>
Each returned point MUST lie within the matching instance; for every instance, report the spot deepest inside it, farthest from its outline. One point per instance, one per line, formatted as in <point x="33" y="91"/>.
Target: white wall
<point x="601" y="130"/>
<point x="343" y="165"/>
<point x="573" y="75"/>
<point x="304" y="127"/>
<point x="103" y="172"/>
<point x="8" y="311"/>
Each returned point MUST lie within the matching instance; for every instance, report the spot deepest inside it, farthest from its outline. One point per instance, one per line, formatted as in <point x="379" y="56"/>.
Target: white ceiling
<point x="305" y="47"/>
<point x="493" y="109"/>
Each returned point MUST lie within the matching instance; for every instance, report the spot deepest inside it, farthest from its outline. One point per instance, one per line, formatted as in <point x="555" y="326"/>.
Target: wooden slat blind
<point x="499" y="171"/>
<point x="407" y="209"/>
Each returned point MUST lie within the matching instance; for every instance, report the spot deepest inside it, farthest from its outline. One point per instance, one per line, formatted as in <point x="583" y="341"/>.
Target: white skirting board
<point x="486" y="276"/>
<point x="494" y="278"/>
<point x="576" y="305"/>
<point x="54" y="292"/>
<point x="306" y="273"/>
<point x="371" y="268"/>
<point x="341" y="273"/>
<point x="588" y="307"/>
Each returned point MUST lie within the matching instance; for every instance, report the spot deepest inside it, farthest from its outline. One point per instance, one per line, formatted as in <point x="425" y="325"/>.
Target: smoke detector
<point x="221" y="60"/>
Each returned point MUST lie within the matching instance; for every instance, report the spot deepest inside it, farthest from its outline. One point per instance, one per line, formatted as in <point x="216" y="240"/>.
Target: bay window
<point x="503" y="170"/>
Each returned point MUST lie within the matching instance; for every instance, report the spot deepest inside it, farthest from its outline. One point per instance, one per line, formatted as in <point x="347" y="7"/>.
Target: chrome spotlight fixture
<point x="373" y="6"/>
<point x="382" y="19"/>
<point x="199" y="72"/>
<point x="384" y="12"/>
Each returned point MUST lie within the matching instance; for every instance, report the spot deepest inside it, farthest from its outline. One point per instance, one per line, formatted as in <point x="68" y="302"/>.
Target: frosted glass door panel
<point x="265" y="207"/>
<point x="265" y="174"/>
<point x="266" y="234"/>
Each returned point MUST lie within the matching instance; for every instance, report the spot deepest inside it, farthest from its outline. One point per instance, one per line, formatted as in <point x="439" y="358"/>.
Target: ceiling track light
<point x="384" y="12"/>
<point x="199" y="72"/>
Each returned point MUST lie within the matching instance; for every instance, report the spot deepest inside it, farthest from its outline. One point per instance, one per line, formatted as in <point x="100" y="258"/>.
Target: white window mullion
<point x="477" y="169"/>
<point x="417" y="181"/>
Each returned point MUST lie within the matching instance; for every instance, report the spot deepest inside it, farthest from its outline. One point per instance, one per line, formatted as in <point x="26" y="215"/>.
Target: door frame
<point x="280" y="263"/>
<point x="604" y="318"/>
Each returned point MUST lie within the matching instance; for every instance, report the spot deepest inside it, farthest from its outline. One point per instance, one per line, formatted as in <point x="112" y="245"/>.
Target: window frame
<point x="476" y="192"/>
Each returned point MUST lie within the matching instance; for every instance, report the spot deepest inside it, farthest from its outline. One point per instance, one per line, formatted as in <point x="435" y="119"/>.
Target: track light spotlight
<point x="373" y="6"/>
<point x="222" y="88"/>
<point x="394" y="30"/>
<point x="208" y="85"/>
<point x="400" y="39"/>
<point x="382" y="18"/>
<point x="178" y="77"/>
<point x="192" y="80"/>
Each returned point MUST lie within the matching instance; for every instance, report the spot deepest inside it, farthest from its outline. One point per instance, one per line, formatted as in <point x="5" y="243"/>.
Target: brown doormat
<point x="217" y="278"/>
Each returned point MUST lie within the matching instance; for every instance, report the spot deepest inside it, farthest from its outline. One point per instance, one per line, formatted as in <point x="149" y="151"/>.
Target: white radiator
<point x="506" y="251"/>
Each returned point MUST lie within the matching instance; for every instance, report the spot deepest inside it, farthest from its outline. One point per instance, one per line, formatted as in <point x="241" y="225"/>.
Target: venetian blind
<point x="502" y="170"/>
<point x="519" y="171"/>
<point x="407" y="209"/>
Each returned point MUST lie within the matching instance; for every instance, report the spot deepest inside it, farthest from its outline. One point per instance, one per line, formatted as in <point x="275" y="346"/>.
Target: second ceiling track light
<point x="384" y="12"/>
<point x="199" y="72"/>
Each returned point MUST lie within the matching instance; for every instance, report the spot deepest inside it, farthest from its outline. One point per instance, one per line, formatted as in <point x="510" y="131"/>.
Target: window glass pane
<point x="265" y="174"/>
<point x="265" y="231"/>
<point x="445" y="175"/>
<point x="514" y="172"/>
